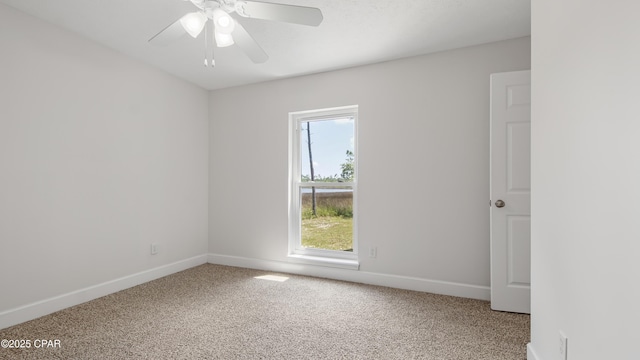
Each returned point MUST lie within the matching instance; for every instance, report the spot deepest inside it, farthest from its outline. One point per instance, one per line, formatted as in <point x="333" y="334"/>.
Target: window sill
<point x="325" y="261"/>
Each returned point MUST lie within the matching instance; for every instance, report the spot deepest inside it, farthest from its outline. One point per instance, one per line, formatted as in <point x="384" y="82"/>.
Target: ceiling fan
<point x="224" y="30"/>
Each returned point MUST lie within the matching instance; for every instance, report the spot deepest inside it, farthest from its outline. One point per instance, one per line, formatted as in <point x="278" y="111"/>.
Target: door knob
<point x="500" y="203"/>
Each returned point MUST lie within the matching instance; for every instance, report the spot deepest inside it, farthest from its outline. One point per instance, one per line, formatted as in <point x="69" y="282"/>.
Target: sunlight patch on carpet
<point x="272" y="278"/>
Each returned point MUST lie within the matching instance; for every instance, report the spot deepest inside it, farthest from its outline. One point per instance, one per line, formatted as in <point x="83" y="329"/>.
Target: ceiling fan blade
<point x="168" y="34"/>
<point x="280" y="12"/>
<point x="245" y="41"/>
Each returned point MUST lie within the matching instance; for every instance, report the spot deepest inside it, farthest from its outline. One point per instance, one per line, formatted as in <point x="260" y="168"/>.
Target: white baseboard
<point x="41" y="308"/>
<point x="394" y="281"/>
<point x="35" y="310"/>
<point x="531" y="354"/>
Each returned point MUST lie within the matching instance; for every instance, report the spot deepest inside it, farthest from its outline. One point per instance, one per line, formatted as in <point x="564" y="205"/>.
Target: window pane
<point x="330" y="226"/>
<point x="326" y="149"/>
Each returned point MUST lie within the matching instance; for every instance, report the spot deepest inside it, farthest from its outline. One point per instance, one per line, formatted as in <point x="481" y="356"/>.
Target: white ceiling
<point x="354" y="32"/>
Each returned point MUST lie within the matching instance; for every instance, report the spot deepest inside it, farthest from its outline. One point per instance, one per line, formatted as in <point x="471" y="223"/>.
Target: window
<point x="323" y="186"/>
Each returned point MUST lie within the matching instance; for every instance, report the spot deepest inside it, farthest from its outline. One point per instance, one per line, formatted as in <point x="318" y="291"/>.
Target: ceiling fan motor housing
<point x="227" y="5"/>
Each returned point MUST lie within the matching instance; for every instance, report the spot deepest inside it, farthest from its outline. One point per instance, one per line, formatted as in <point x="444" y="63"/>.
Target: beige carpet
<point x="219" y="312"/>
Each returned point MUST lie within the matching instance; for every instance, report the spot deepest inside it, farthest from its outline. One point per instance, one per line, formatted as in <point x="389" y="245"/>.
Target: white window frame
<point x="297" y="253"/>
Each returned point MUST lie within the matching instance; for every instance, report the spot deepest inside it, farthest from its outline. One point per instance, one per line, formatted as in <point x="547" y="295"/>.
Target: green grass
<point x="328" y="232"/>
<point x="332" y="226"/>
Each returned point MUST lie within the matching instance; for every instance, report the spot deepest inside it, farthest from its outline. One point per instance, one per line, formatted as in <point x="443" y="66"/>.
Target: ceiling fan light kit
<point x="228" y="31"/>
<point x="193" y="23"/>
<point x="223" y="40"/>
<point x="223" y="22"/>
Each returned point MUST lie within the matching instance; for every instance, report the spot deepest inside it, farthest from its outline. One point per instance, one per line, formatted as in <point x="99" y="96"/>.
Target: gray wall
<point x="99" y="157"/>
<point x="585" y="179"/>
<point x="423" y="161"/>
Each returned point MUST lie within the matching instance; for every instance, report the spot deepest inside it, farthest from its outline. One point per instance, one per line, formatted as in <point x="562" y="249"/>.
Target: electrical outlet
<point x="154" y="249"/>
<point x="562" y="351"/>
<point x="373" y="252"/>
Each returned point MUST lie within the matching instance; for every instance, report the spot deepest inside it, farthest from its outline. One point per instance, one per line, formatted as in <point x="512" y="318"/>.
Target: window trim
<point x="296" y="253"/>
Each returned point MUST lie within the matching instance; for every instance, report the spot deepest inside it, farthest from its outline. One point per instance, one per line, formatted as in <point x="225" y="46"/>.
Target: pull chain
<point x="208" y="45"/>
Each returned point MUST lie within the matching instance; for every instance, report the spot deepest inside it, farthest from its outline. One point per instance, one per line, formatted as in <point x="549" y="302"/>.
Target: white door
<point x="511" y="191"/>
